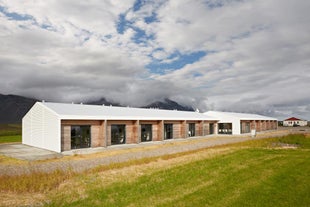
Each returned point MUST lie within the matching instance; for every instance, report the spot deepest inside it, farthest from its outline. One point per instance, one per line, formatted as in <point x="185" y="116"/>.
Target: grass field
<point x="267" y="172"/>
<point x="9" y="139"/>
<point x="10" y="133"/>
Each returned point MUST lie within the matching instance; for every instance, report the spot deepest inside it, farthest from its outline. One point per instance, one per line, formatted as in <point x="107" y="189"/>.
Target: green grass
<point x="10" y="129"/>
<point x="10" y="133"/>
<point x="8" y="139"/>
<point x="254" y="176"/>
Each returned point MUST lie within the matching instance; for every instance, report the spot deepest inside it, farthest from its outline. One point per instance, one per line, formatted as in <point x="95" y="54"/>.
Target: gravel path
<point x="127" y="153"/>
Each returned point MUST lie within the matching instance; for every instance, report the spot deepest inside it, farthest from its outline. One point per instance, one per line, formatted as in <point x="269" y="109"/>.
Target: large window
<point x="80" y="137"/>
<point x="118" y="134"/>
<point x="146" y="132"/>
<point x="225" y="128"/>
<point x="168" y="131"/>
<point x="191" y="129"/>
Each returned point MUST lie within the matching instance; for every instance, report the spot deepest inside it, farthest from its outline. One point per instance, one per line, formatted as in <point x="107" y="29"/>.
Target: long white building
<point x="62" y="127"/>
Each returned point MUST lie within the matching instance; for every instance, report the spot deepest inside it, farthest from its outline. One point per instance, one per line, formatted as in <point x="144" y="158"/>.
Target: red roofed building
<point x="293" y="121"/>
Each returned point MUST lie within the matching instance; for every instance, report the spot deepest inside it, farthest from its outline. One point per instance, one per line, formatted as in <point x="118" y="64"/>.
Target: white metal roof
<point x="241" y="116"/>
<point x="97" y="112"/>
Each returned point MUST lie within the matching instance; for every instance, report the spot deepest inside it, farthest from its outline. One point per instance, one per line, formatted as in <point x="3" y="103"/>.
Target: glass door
<point x="80" y="137"/>
<point x="118" y="134"/>
<point x="168" y="131"/>
<point x="146" y="132"/>
<point x="191" y="129"/>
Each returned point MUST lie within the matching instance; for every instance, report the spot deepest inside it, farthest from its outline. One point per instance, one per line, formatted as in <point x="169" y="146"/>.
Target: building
<point x="62" y="127"/>
<point x="240" y="123"/>
<point x="293" y="121"/>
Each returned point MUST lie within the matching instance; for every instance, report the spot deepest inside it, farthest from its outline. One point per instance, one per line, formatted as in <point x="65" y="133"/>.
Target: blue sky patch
<point x="137" y="5"/>
<point x="141" y="36"/>
<point x="150" y="19"/>
<point x="181" y="60"/>
<point x="122" y="24"/>
<point x="15" y="16"/>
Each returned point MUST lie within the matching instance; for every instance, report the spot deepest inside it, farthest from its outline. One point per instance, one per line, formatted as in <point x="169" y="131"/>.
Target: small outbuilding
<point x="240" y="123"/>
<point x="62" y="127"/>
<point x="293" y="121"/>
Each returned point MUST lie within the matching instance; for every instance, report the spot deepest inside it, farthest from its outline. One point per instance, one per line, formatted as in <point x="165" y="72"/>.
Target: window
<point x="146" y="132"/>
<point x="191" y="129"/>
<point x="80" y="137"/>
<point x="225" y="128"/>
<point x="118" y="134"/>
<point x="168" y="131"/>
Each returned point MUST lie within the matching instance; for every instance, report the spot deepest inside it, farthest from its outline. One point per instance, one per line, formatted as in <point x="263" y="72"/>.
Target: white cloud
<point x="257" y="52"/>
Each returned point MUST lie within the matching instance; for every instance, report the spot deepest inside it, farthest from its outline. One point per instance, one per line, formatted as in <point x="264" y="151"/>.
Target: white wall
<point x="41" y="128"/>
<point x="236" y="126"/>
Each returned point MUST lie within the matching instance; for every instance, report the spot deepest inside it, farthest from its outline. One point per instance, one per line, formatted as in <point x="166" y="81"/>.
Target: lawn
<point x="253" y="173"/>
<point x="10" y="133"/>
<point x="253" y="176"/>
<point x="9" y="139"/>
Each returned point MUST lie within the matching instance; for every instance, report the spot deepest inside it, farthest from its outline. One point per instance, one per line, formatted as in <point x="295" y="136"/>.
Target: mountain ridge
<point x="14" y="107"/>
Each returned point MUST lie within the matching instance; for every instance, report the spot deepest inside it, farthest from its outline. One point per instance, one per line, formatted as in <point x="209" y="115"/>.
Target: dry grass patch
<point x="24" y="199"/>
<point x="35" y="182"/>
<point x="4" y="160"/>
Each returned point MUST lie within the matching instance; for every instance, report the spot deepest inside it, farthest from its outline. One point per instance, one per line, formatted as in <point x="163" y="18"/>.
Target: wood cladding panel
<point x="65" y="138"/>
<point x="95" y="141"/>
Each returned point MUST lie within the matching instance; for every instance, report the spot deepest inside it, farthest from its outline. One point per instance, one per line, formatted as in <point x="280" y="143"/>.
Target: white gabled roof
<point x="241" y="116"/>
<point x="97" y="112"/>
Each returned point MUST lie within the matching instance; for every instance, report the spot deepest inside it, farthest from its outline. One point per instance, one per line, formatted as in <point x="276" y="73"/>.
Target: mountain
<point x="169" y="105"/>
<point x="13" y="108"/>
<point x="103" y="101"/>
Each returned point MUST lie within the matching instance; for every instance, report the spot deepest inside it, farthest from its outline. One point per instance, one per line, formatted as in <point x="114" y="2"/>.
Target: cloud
<point x="250" y="56"/>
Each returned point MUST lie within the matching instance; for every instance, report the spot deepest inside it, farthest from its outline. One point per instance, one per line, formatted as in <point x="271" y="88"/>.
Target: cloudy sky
<point x="233" y="55"/>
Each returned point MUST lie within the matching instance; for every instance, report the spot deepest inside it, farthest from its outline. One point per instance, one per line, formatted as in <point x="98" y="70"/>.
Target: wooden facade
<point x="100" y="130"/>
<point x="258" y="125"/>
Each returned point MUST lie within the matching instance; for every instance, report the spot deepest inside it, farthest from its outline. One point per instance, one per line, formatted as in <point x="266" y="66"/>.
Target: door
<point x="118" y="134"/>
<point x="168" y="131"/>
<point x="211" y="128"/>
<point x="146" y="132"/>
<point x="80" y="137"/>
<point x="191" y="129"/>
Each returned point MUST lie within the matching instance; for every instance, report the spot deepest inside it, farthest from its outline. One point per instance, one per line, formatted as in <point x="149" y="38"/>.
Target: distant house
<point x="293" y="121"/>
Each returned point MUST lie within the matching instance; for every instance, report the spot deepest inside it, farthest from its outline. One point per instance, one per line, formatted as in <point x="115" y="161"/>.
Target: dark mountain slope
<point x="13" y="108"/>
<point x="169" y="105"/>
<point x="103" y="101"/>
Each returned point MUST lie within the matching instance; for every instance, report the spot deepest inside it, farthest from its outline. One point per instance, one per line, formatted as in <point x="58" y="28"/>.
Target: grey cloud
<point x="257" y="54"/>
